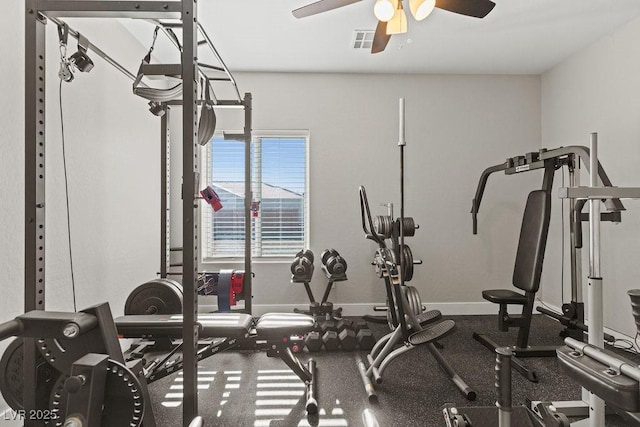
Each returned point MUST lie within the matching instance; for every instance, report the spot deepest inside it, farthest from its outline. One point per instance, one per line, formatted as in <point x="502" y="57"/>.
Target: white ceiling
<point x="517" y="37"/>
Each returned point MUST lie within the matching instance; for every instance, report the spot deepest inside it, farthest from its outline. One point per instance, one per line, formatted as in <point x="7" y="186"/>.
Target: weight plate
<point x="309" y="255"/>
<point x="160" y="296"/>
<point x="413" y="297"/>
<point x="324" y="256"/>
<point x="176" y="285"/>
<point x="62" y="352"/>
<point x="382" y="225"/>
<point x="123" y="403"/>
<point x="408" y="263"/>
<point x="12" y="376"/>
<point x="409" y="227"/>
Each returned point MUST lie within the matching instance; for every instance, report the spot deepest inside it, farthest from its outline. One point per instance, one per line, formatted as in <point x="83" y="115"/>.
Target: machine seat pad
<point x="504" y="296"/>
<point x="619" y="390"/>
<point x="433" y="332"/>
<point x="211" y="325"/>
<point x="429" y="316"/>
<point x="275" y="326"/>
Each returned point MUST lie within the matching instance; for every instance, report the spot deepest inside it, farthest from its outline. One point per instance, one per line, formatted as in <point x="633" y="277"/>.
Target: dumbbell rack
<point x="323" y="309"/>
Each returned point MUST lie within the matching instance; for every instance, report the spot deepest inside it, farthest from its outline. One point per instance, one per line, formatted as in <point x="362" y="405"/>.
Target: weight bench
<point x="526" y="277"/>
<point x="272" y="332"/>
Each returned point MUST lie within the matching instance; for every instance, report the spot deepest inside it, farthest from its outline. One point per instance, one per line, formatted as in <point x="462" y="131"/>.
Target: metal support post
<point x="34" y="243"/>
<point x="165" y="192"/>
<point x="248" y="197"/>
<point x="189" y="208"/>
<point x="596" y="322"/>
<point x="576" y="253"/>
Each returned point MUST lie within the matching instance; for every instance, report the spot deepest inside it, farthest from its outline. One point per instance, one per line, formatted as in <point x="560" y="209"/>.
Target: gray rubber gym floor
<point x="241" y="388"/>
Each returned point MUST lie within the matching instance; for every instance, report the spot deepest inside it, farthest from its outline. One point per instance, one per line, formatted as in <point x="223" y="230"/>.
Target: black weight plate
<point x="382" y="225"/>
<point x="408" y="263"/>
<point x="123" y="403"/>
<point x="308" y="255"/>
<point x="11" y="375"/>
<point x="62" y="352"/>
<point x="12" y="380"/>
<point x="409" y="227"/>
<point x="178" y="287"/>
<point x="324" y="256"/>
<point x="161" y="296"/>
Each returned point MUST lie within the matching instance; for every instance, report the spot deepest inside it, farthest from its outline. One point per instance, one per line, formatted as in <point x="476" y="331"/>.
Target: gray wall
<point x="455" y="127"/>
<point x="597" y="90"/>
<point x="113" y="164"/>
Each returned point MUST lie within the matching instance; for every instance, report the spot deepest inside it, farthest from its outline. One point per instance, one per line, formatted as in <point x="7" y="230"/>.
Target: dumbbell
<point x="348" y="339"/>
<point x="359" y="324"/>
<point x="328" y="325"/>
<point x="330" y="340"/>
<point x="302" y="265"/>
<point x="333" y="262"/>
<point x="365" y="339"/>
<point x="313" y="341"/>
<point x="343" y="324"/>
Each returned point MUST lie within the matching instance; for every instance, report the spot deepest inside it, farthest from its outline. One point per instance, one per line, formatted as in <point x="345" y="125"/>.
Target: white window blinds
<point x="279" y="203"/>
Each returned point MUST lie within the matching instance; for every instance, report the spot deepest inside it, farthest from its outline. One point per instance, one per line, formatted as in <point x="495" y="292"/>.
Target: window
<point x="279" y="189"/>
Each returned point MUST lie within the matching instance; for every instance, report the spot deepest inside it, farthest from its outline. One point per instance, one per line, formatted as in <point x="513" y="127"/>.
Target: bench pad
<point x="504" y="296"/>
<point x="211" y="325"/>
<point x="278" y="325"/>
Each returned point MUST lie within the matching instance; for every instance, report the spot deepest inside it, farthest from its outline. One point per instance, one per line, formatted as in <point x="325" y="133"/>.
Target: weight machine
<point x="572" y="316"/>
<point x="184" y="15"/>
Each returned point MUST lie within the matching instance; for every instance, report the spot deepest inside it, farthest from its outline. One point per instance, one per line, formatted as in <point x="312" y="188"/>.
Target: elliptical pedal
<point x="427" y="317"/>
<point x="435" y="332"/>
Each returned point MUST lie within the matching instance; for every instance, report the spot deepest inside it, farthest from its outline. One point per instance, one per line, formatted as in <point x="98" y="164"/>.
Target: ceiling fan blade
<point x="380" y="38"/>
<point x="321" y="6"/>
<point x="475" y="8"/>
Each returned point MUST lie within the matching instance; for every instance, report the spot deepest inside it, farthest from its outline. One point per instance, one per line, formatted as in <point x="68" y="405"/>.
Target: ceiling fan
<point x="392" y="18"/>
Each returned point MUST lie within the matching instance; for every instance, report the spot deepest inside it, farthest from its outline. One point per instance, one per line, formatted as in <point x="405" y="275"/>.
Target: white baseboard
<point x="361" y="309"/>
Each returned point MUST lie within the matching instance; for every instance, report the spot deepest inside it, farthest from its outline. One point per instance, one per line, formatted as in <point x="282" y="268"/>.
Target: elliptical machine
<point x="410" y="326"/>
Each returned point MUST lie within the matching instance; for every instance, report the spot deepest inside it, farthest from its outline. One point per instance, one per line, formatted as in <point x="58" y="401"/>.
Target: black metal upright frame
<point x="37" y="14"/>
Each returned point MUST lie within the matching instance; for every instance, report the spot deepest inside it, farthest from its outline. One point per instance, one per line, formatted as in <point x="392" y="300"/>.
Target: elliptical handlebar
<point x="370" y="232"/>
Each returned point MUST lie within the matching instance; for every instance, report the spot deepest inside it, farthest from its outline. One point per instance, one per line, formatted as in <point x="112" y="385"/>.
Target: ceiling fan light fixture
<point x="385" y="9"/>
<point x="397" y="24"/>
<point x="420" y="9"/>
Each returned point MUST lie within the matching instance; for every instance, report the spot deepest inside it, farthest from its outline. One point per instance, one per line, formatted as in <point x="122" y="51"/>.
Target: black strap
<point x="153" y="94"/>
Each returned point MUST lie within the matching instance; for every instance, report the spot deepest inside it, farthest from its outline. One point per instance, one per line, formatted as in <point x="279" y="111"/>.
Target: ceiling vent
<point x="363" y="39"/>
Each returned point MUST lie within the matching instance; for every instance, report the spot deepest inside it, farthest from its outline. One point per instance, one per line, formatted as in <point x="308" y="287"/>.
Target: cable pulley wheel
<point x="12" y="379"/>
<point x="123" y="403"/>
<point x="159" y="296"/>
